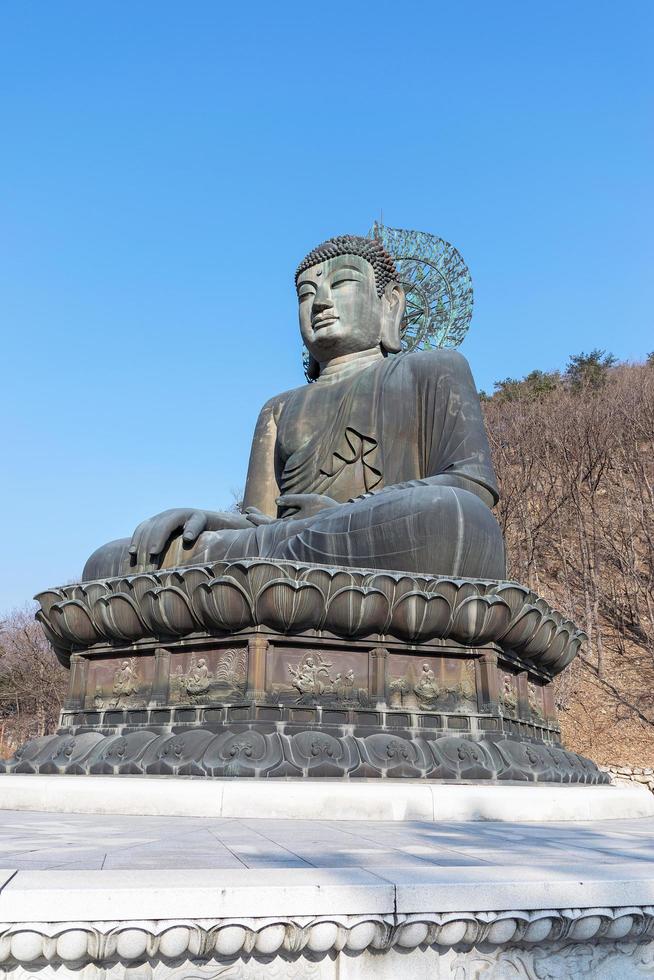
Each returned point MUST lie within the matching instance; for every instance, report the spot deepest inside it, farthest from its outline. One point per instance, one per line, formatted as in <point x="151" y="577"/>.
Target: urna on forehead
<point x="370" y="249"/>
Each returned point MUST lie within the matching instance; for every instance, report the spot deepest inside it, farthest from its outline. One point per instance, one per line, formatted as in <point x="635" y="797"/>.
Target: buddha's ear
<point x="393" y="303"/>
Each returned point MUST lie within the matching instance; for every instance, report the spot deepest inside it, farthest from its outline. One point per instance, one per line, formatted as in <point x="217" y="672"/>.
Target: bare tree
<point x="32" y="682"/>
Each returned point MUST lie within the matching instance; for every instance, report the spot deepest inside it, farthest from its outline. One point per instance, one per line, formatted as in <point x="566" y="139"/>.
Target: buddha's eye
<point x="305" y="292"/>
<point x="341" y="282"/>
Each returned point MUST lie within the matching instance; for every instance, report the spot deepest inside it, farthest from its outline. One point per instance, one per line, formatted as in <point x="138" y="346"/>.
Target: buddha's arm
<point x="261" y="487"/>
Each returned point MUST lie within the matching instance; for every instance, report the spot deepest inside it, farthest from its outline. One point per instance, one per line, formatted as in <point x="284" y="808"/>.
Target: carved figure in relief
<point x="126" y="683"/>
<point x="535" y="703"/>
<point x="466" y="689"/>
<point x="426" y="689"/>
<point x="382" y="463"/>
<point x="344" y="685"/>
<point x="198" y="679"/>
<point x="311" y="677"/>
<point x="508" y="695"/>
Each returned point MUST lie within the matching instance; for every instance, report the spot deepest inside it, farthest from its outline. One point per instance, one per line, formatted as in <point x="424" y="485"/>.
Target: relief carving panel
<point x="314" y="677"/>
<point x="213" y="675"/>
<point x="443" y="683"/>
<point x="125" y="683"/>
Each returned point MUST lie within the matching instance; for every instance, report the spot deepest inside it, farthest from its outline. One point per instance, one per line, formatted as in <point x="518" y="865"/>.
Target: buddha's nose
<point x="322" y="301"/>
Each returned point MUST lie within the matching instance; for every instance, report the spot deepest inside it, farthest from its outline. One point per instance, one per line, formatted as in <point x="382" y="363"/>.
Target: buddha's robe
<point x="401" y="447"/>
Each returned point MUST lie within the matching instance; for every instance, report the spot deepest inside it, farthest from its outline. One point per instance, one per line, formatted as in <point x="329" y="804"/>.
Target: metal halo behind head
<point x="437" y="284"/>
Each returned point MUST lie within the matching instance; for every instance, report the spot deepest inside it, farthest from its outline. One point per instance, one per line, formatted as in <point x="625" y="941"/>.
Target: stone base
<point x="276" y="669"/>
<point x="322" y="799"/>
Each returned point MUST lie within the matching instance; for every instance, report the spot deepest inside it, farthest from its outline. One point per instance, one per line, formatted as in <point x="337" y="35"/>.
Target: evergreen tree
<point x="589" y="370"/>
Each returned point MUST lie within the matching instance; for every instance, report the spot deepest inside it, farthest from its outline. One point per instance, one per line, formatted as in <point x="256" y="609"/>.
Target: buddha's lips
<point x="318" y="321"/>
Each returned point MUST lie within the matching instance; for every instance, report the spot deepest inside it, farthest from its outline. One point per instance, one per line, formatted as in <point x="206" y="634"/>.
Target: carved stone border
<point x="105" y="942"/>
<point x="227" y="597"/>
<point x="312" y="752"/>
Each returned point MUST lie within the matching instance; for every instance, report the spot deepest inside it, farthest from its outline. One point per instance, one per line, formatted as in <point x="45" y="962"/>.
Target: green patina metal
<point x="437" y="284"/>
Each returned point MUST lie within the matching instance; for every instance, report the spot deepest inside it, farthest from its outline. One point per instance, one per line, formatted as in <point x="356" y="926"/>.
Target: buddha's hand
<point x="300" y="505"/>
<point x="295" y="506"/>
<point x="151" y="537"/>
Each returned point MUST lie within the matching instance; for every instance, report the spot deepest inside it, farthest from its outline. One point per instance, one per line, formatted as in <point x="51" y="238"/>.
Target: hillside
<point x="574" y="454"/>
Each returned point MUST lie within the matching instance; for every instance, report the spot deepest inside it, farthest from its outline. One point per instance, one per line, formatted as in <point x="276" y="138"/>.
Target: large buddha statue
<point x="382" y="463"/>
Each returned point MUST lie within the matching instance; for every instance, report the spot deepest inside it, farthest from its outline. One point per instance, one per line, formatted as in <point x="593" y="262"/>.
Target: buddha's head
<point x="349" y="300"/>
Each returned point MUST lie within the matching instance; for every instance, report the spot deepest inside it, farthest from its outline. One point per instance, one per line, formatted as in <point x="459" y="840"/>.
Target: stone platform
<point x="278" y="669"/>
<point x="154" y="898"/>
<point x="316" y="799"/>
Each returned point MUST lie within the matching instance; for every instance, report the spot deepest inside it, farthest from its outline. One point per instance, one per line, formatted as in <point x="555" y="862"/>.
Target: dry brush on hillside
<point x="574" y="456"/>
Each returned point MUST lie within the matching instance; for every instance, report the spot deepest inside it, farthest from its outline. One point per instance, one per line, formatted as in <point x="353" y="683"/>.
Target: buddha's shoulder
<point x="275" y="404"/>
<point x="432" y="363"/>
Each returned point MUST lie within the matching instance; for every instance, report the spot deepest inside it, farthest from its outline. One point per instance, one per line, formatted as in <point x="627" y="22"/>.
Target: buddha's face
<point x="340" y="311"/>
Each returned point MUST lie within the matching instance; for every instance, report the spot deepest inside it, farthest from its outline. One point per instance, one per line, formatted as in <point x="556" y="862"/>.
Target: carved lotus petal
<point x="93" y="590"/>
<point x="557" y="645"/>
<point x="320" y="577"/>
<point x="188" y="579"/>
<point x="223" y="604"/>
<point x="343" y="580"/>
<point x="119" y="617"/>
<point x="168" y="610"/>
<point x="479" y="619"/>
<point x="521" y="628"/>
<point x="329" y="581"/>
<point x="393" y="586"/>
<point x="447" y="588"/>
<point x="73" y="592"/>
<point x="570" y="652"/>
<point x="218" y="569"/>
<point x="357" y="611"/>
<point x="138" y="585"/>
<point x="289" y="606"/>
<point x="465" y="590"/>
<point x="121" y="585"/>
<point x="540" y="640"/>
<point x="48" y="598"/>
<point x="418" y="616"/>
<point x="73" y="620"/>
<point x="253" y="576"/>
<point x="515" y="595"/>
<point x="290" y="569"/>
<point x="58" y="639"/>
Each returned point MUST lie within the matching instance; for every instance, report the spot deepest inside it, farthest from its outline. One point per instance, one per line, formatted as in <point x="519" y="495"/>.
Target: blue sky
<point x="165" y="166"/>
